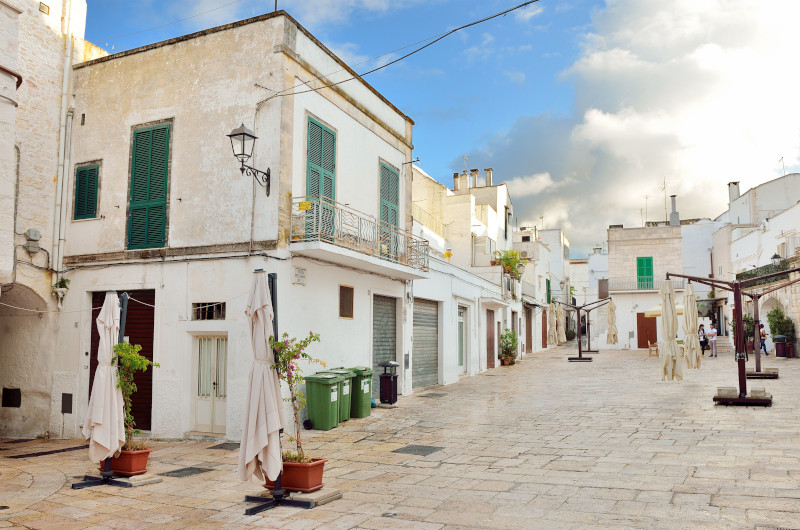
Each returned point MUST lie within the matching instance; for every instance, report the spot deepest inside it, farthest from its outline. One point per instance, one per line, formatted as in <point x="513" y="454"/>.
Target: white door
<point x="462" y="311"/>
<point x="212" y="362"/>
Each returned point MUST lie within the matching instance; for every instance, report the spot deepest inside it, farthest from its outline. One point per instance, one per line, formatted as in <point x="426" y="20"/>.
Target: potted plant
<point x="781" y="325"/>
<point x="300" y="472"/>
<point x="132" y="459"/>
<point x="60" y="289"/>
<point x="508" y="347"/>
<point x="510" y="261"/>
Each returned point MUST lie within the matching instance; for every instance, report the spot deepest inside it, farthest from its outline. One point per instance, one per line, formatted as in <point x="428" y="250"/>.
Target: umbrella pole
<point x="580" y="357"/>
<point x="106" y="475"/>
<point x="278" y="495"/>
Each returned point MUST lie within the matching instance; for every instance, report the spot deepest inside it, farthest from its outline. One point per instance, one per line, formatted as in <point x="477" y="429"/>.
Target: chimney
<point x="463" y="182"/>
<point x="455" y="181"/>
<point x="473" y="178"/>
<point x="488" y="172"/>
<point x="597" y="250"/>
<point x="674" y="218"/>
<point x="733" y="191"/>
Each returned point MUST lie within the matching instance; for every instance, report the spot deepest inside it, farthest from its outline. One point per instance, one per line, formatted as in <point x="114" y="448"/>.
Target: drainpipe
<point x="62" y="136"/>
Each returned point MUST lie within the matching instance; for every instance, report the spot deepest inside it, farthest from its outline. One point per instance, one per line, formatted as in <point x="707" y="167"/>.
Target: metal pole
<point x="739" y="342"/>
<point x="756" y="333"/>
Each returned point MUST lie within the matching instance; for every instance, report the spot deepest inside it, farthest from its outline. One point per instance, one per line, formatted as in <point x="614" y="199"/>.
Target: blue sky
<point x="583" y="106"/>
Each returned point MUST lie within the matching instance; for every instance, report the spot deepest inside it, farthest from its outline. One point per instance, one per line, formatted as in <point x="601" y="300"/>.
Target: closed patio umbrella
<point x="562" y="335"/>
<point x="691" y="346"/>
<point x="104" y="426"/>
<point x="655" y="311"/>
<point x="552" y="337"/>
<point x="611" y="337"/>
<point x="264" y="417"/>
<point x="671" y="362"/>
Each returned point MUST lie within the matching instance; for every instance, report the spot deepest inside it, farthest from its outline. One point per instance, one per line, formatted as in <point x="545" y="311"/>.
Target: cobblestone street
<point x="543" y="444"/>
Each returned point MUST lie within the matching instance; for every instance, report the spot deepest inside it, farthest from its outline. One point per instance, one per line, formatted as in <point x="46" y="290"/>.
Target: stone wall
<point x="662" y="243"/>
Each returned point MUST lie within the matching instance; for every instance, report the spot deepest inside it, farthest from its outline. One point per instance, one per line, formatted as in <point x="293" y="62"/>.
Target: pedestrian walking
<point x="712" y="341"/>
<point x="764" y="340"/>
<point x="701" y="334"/>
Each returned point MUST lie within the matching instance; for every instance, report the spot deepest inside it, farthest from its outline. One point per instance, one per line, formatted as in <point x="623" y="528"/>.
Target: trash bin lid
<point x="323" y="378"/>
<point x="362" y="370"/>
<point x="389" y="364"/>
<point x="781" y="337"/>
<point x="347" y="374"/>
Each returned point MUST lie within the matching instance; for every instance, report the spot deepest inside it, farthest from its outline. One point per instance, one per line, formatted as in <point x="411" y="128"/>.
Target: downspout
<point x="59" y="264"/>
<point x="62" y="136"/>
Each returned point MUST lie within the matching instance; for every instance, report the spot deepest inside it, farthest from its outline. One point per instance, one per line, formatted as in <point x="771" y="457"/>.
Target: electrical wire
<point x="437" y="39"/>
<point x="117" y="37"/>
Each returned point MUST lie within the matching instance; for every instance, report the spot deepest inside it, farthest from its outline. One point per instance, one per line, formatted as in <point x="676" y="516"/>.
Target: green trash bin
<point x="345" y="390"/>
<point x="322" y="400"/>
<point x="361" y="401"/>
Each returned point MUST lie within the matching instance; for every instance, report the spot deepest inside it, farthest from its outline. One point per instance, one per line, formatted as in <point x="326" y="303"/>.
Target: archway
<point x="764" y="308"/>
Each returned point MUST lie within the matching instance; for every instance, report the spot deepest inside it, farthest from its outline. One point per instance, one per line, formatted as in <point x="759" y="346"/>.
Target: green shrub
<point x="780" y="324"/>
<point x="570" y="334"/>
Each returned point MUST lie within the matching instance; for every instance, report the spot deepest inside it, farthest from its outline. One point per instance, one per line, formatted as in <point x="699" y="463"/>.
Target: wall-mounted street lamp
<point x="776" y="260"/>
<point x="242" y="143"/>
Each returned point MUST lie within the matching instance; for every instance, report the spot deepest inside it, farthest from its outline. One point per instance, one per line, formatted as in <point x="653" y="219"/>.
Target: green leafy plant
<point x="289" y="354"/>
<point x="508" y="345"/>
<point x="510" y="261"/>
<point x="129" y="361"/>
<point x="749" y="327"/>
<point x="61" y="283"/>
<point x="780" y="324"/>
<point x="569" y="334"/>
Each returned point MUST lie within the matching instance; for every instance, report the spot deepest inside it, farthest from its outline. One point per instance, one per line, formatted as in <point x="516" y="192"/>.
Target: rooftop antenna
<point x="276" y="5"/>
<point x="641" y="214"/>
<point x="466" y="159"/>
<point x="645" y="209"/>
<point x="541" y="219"/>
<point x="784" y="166"/>
<point x="664" y="189"/>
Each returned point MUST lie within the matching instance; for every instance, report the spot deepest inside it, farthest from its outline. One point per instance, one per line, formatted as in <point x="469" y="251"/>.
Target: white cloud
<point x="527" y="13"/>
<point x="699" y="92"/>
<point x="518" y="78"/>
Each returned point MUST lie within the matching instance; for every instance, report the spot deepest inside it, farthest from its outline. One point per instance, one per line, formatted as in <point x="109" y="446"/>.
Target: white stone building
<point x="536" y="290"/>
<point x="39" y="43"/>
<point x="156" y="206"/>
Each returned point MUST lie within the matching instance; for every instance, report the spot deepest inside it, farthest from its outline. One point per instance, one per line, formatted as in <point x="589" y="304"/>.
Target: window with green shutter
<point x="390" y="200"/>
<point x="321" y="177"/>
<point x="547" y="288"/>
<point x="644" y="273"/>
<point x="86" y="192"/>
<point x="149" y="182"/>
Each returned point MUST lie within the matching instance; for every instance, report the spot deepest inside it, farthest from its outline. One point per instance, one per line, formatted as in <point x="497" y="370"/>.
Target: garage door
<point x="384" y="336"/>
<point x="425" y="357"/>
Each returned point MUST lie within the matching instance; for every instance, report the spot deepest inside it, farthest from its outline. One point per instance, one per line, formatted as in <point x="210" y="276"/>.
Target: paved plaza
<point x="543" y="444"/>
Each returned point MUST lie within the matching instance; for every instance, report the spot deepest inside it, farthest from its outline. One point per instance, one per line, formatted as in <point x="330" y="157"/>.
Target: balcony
<point x="324" y="229"/>
<point x="634" y="283"/>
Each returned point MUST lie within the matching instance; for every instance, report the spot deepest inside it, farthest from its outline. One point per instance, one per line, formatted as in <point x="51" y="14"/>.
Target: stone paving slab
<point x="541" y="444"/>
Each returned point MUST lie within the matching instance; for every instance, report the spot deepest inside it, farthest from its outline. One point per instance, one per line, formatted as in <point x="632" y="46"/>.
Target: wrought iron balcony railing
<point x="316" y="218"/>
<point x="637" y="283"/>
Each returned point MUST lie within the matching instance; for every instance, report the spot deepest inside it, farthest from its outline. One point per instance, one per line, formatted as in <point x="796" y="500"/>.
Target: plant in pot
<point x="60" y="289"/>
<point x="508" y="347"/>
<point x="300" y="472"/>
<point x="510" y="261"/>
<point x="132" y="459"/>
<point x="780" y="324"/>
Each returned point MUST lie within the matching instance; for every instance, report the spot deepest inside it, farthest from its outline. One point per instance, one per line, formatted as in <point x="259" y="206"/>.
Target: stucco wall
<point x="662" y="243"/>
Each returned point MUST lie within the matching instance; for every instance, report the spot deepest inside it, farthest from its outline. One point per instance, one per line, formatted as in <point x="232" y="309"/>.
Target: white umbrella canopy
<point x="264" y="417"/>
<point x="611" y="336"/>
<point x="104" y="425"/>
<point x="671" y="363"/>
<point x="552" y="337"/>
<point x="562" y="335"/>
<point x="691" y="345"/>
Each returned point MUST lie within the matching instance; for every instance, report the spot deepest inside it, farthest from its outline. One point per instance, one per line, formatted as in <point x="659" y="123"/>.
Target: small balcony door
<point x="462" y="312"/>
<point x="212" y="361"/>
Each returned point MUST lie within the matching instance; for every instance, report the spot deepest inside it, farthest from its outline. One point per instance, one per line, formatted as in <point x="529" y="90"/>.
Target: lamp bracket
<point x="262" y="177"/>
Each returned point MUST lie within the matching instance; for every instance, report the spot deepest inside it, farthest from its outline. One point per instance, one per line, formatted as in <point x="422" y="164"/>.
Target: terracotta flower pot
<point x="130" y="463"/>
<point x="302" y="477"/>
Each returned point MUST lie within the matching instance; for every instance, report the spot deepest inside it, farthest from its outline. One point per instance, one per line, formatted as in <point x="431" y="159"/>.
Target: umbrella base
<point x="107" y="479"/>
<point x="579" y="359"/>
<point x="280" y="498"/>
<point x="744" y="401"/>
<point x="591" y="351"/>
<point x="766" y="373"/>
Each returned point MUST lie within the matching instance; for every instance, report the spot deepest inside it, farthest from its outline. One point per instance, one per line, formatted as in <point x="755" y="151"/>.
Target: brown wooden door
<point x="489" y="338"/>
<point x="544" y="329"/>
<point x="645" y="330"/>
<point x="139" y="328"/>
<point x="528" y="330"/>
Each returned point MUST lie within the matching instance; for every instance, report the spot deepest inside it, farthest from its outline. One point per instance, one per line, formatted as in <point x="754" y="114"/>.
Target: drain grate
<point x="419" y="450"/>
<point x="3" y="507"/>
<point x="185" y="472"/>
<point x="432" y="395"/>
<point x="21" y="440"/>
<point x="228" y="446"/>
<point x="53" y="452"/>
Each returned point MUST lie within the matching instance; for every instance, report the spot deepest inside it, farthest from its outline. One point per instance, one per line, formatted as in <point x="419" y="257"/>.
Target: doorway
<point x="645" y="330"/>
<point x="462" y="315"/>
<point x="489" y="338"/>
<point x="212" y="384"/>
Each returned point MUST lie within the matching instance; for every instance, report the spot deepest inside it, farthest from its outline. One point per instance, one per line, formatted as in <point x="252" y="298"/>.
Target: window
<point x="209" y="311"/>
<point x="86" y="192"/>
<point x="505" y="229"/>
<point x="345" y="301"/>
<point x="602" y="288"/>
<point x="147" y="219"/>
<point x="321" y="165"/>
<point x="644" y="273"/>
<point x="390" y="194"/>
<point x="526" y="239"/>
<point x="547" y="289"/>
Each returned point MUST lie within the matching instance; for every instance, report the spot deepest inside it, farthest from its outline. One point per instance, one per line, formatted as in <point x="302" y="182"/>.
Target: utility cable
<point x="437" y="39"/>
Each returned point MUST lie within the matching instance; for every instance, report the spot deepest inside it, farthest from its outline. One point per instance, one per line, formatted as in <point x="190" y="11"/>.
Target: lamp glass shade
<point x="242" y="142"/>
<point x="776" y="260"/>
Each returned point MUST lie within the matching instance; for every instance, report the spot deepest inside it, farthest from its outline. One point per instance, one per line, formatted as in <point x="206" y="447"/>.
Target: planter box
<point x="130" y="463"/>
<point x="301" y="477"/>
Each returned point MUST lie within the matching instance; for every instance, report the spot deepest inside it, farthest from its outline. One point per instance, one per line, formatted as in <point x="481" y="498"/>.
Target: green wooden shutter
<point x="321" y="165"/>
<point x="644" y="273"/>
<point x="547" y="285"/>
<point x="149" y="182"/>
<point x="86" y="192"/>
<point x="390" y="195"/>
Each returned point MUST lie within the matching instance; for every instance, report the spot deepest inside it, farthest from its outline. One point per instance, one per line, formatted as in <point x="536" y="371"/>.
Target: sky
<point x="585" y="108"/>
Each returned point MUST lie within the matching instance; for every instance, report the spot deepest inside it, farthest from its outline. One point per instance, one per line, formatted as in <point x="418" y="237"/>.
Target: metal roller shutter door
<point x="425" y="357"/>
<point x="384" y="336"/>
